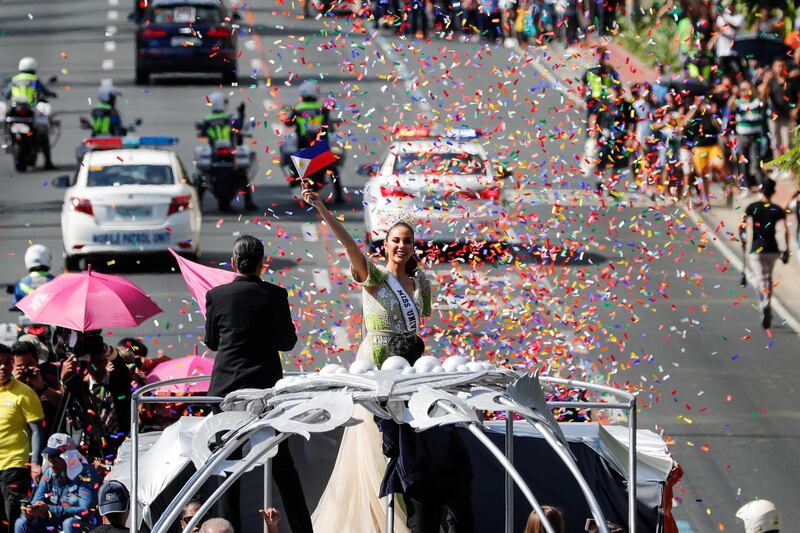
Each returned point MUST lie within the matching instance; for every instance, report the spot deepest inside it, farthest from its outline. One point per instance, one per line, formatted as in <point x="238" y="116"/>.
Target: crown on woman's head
<point x="403" y="218"/>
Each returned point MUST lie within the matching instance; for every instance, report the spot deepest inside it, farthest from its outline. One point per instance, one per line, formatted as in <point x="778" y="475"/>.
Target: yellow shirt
<point x="19" y="405"/>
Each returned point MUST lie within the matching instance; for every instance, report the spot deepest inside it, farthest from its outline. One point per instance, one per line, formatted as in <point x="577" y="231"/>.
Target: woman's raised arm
<point x="354" y="254"/>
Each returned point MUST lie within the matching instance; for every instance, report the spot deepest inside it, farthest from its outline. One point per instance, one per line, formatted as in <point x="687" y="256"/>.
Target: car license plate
<point x="138" y="211"/>
<point x="131" y="238"/>
<point x="186" y="41"/>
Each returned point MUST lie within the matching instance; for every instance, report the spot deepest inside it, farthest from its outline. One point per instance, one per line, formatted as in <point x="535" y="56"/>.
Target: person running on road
<point x="600" y="83"/>
<point x="764" y="251"/>
<point x="751" y="133"/>
<point x="702" y="131"/>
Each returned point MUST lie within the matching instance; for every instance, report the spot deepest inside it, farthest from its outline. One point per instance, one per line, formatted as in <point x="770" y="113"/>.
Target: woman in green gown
<point x="394" y="297"/>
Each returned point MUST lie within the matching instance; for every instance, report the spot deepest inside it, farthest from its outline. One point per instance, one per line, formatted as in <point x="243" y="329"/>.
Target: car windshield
<point x="116" y="175"/>
<point x="439" y="163"/>
<point x="187" y="14"/>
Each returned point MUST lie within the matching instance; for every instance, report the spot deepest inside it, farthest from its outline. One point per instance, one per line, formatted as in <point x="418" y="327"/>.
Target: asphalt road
<point x="641" y="302"/>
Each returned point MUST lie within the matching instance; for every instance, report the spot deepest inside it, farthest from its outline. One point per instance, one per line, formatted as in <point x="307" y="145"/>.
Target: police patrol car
<point x="446" y="183"/>
<point x="129" y="196"/>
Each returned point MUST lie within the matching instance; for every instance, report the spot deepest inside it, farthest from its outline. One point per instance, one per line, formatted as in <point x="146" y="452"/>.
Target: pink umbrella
<point x="87" y="301"/>
<point x="200" y="279"/>
<point x="184" y="367"/>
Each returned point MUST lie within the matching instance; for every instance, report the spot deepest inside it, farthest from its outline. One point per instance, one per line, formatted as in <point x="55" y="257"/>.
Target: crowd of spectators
<point x="718" y="117"/>
<point x="64" y="412"/>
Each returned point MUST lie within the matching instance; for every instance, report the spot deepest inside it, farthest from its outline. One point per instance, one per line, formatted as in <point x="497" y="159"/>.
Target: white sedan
<point x="129" y="202"/>
<point x="446" y="186"/>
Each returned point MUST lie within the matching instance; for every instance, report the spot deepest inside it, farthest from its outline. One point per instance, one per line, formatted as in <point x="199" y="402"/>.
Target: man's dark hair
<point x="768" y="187"/>
<point x="4" y="349"/>
<point x="248" y="252"/>
<point x="407" y="345"/>
<point x="24" y="347"/>
<point x="137" y="347"/>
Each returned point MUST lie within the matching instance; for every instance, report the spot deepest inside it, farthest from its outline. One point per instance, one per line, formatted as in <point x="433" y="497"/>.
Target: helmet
<point x="28" y="64"/>
<point x="759" y="516"/>
<point x="219" y="102"/>
<point x="106" y="92"/>
<point x="309" y="89"/>
<point x="37" y="255"/>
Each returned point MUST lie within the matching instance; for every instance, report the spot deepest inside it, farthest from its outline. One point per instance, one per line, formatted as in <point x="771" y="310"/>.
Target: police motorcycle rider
<point x="106" y="120"/>
<point x="37" y="261"/>
<point x="311" y="118"/>
<point x="26" y="86"/>
<point x="220" y="125"/>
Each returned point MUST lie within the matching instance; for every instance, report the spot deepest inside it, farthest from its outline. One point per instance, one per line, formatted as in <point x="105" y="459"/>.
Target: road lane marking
<point x="113" y="2"/>
<point x="322" y="279"/>
<point x="111" y="30"/>
<point x="310" y="233"/>
<point x="112" y="14"/>
<point x="108" y="64"/>
<point x="110" y="46"/>
<point x="340" y="338"/>
<point x="409" y="80"/>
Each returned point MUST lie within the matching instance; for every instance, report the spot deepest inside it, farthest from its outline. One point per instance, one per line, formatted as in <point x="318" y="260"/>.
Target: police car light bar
<point x="463" y="133"/>
<point x="403" y="132"/>
<point x="116" y="143"/>
<point x="103" y="143"/>
<point x="158" y="141"/>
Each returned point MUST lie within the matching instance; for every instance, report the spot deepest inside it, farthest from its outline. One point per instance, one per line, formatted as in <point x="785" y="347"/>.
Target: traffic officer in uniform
<point x="106" y="119"/>
<point x="26" y="85"/>
<point x="37" y="261"/>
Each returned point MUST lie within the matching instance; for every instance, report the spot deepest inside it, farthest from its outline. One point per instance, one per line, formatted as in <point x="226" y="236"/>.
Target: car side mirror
<point x="62" y="182"/>
<point x="368" y="169"/>
<point x="85" y="124"/>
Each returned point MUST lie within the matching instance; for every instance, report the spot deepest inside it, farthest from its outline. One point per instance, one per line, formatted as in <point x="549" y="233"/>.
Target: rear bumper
<point x="83" y="236"/>
<point x="186" y="60"/>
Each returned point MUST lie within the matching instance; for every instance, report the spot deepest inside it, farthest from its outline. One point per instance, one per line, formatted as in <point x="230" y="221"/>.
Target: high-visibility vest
<point x="599" y="86"/>
<point x="23" y="85"/>
<point x="309" y="117"/>
<point x="219" y="127"/>
<point x="101" y="119"/>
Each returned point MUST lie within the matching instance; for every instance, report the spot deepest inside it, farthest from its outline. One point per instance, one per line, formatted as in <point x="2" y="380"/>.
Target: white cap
<point x="106" y="91"/>
<point x="759" y="516"/>
<point x="219" y="102"/>
<point x="28" y="64"/>
<point x="37" y="256"/>
<point x="309" y="89"/>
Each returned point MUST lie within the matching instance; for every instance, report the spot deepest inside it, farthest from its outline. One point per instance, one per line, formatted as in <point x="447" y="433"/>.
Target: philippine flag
<point x="311" y="160"/>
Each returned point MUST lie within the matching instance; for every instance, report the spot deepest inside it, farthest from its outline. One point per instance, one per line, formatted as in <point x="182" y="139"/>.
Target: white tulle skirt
<point x="350" y="503"/>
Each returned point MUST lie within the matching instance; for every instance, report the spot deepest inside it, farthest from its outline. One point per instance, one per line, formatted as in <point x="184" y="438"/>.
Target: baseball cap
<point x="113" y="498"/>
<point x="58" y="443"/>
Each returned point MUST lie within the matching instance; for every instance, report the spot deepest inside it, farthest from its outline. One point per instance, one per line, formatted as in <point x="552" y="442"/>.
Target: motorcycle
<point x="223" y="168"/>
<point x="290" y="146"/>
<point x="21" y="123"/>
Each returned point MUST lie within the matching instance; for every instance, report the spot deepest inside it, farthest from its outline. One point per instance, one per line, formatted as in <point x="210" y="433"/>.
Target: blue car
<point x="186" y="36"/>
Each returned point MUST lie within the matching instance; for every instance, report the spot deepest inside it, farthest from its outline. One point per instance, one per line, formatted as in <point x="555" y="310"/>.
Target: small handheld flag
<point x="311" y="160"/>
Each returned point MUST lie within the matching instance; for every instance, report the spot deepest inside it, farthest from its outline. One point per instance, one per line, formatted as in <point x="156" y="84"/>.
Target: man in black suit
<point x="247" y="322"/>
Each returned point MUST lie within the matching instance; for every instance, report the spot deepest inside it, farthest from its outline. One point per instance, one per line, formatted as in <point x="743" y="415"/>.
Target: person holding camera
<point x="27" y="371"/>
<point x="764" y="251"/>
<point x="20" y="440"/>
<point x="98" y="387"/>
